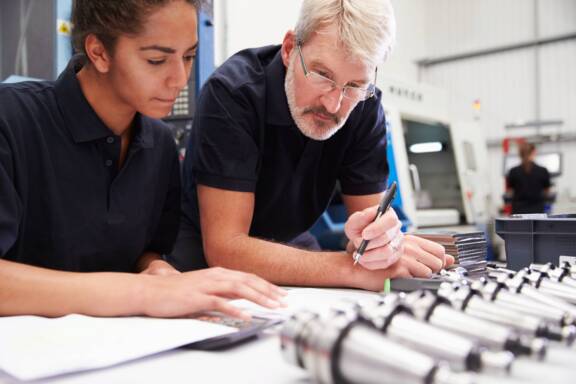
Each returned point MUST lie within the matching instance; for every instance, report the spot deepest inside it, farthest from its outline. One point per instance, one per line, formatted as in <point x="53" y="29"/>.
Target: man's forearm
<point x="28" y="290"/>
<point x="286" y="265"/>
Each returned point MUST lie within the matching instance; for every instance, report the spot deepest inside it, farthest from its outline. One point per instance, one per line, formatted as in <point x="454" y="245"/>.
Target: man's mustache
<point x="322" y="111"/>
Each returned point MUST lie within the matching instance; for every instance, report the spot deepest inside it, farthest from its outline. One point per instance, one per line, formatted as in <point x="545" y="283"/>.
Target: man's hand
<point x="207" y="290"/>
<point x="385" y="246"/>
<point x="405" y="256"/>
<point x="420" y="257"/>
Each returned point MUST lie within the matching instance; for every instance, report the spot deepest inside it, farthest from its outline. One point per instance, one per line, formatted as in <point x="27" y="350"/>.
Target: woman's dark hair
<point x="108" y="19"/>
<point x="526" y="150"/>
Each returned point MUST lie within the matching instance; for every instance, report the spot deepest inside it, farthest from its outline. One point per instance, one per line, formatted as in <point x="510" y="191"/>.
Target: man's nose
<point x="332" y="100"/>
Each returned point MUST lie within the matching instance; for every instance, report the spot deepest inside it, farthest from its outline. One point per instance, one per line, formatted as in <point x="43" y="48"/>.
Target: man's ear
<point x="288" y="44"/>
<point x="97" y="53"/>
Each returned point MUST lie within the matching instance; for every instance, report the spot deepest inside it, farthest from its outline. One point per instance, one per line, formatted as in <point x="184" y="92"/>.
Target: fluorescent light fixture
<point x="433" y="146"/>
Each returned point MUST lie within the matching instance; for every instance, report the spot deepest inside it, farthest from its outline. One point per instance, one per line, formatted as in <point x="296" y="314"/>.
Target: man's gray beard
<point x="308" y="129"/>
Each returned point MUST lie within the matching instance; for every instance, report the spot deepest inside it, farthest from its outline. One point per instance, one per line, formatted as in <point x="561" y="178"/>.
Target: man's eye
<point x="156" y="62"/>
<point x="189" y="58"/>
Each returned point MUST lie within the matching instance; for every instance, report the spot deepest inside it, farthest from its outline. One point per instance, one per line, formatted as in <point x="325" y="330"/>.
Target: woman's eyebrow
<point x="164" y="49"/>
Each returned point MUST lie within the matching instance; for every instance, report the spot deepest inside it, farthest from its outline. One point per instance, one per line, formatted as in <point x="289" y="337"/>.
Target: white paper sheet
<point x="316" y="299"/>
<point x="34" y="347"/>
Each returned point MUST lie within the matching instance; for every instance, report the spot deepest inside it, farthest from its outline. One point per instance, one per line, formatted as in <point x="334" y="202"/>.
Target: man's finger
<point x="417" y="269"/>
<point x="429" y="246"/>
<point x="358" y="221"/>
<point x="387" y="225"/>
<point x="431" y="261"/>
<point x="386" y="252"/>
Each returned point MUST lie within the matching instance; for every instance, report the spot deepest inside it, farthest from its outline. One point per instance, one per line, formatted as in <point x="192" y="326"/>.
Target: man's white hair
<point x="366" y="28"/>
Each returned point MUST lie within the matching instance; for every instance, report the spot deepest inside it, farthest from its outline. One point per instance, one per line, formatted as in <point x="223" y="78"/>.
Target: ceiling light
<point x="433" y="146"/>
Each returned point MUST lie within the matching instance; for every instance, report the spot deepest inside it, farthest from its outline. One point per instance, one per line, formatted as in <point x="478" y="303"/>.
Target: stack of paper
<point x="469" y="249"/>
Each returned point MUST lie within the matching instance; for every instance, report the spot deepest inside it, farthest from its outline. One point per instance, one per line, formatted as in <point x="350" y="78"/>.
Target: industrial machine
<point x="439" y="161"/>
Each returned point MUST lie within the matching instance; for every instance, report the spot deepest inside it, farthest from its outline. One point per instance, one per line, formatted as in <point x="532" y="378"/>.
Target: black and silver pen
<point x="382" y="208"/>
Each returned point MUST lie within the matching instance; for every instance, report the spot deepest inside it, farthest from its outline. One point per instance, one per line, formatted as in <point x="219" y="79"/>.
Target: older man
<point x="275" y="129"/>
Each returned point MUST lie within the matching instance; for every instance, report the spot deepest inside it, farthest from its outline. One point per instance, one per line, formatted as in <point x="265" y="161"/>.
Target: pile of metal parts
<point x="447" y="336"/>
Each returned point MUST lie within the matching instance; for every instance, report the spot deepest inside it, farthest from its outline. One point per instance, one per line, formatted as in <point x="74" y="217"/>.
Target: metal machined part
<point x="569" y="267"/>
<point x="499" y="294"/>
<point x="543" y="282"/>
<point x="437" y="311"/>
<point x="293" y="332"/>
<point x="518" y="284"/>
<point x="398" y="323"/>
<point x="337" y="349"/>
<point x="559" y="274"/>
<point x="464" y="298"/>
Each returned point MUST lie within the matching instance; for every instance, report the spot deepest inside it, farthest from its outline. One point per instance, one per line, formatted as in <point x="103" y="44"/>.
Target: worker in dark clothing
<point x="528" y="184"/>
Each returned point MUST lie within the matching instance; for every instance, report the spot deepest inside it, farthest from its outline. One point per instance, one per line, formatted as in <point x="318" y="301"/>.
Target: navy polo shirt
<point x="244" y="139"/>
<point x="64" y="204"/>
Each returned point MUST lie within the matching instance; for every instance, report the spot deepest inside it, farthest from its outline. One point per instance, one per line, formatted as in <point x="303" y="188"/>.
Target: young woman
<point x="89" y="179"/>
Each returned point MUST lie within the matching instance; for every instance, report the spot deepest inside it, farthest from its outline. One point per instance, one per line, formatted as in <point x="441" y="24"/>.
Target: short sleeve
<point x="510" y="179"/>
<point x="223" y="151"/>
<point x="365" y="167"/>
<point x="10" y="201"/>
<point x="546" y="183"/>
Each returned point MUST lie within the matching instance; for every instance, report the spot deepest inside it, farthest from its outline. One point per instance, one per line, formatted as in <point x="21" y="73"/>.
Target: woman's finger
<point x="223" y="306"/>
<point x="259" y="284"/>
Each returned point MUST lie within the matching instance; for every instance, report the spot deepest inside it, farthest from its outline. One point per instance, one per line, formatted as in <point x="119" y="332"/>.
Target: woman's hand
<point x="207" y="290"/>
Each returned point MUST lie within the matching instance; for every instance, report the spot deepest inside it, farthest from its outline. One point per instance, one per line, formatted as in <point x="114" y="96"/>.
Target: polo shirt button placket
<point x="108" y="163"/>
<point x="110" y="140"/>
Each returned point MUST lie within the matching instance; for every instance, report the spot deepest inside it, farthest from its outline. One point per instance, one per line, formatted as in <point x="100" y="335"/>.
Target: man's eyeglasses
<point x="324" y="84"/>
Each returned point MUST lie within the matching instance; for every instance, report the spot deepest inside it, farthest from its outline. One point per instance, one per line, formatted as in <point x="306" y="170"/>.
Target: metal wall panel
<point x="503" y="84"/>
<point x="518" y="85"/>
<point x="558" y="83"/>
<point x="556" y="17"/>
<point x="456" y="26"/>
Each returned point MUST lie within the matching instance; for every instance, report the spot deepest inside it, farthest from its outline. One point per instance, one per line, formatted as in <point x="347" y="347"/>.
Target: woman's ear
<point x="97" y="53"/>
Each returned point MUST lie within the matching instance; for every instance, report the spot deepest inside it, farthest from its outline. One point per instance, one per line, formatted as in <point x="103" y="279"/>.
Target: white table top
<point x="261" y="361"/>
<point x="258" y="361"/>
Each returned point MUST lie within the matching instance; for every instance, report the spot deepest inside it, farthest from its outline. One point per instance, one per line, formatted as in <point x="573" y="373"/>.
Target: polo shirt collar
<point x="277" y="110"/>
<point x="82" y="121"/>
<point x="143" y="132"/>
